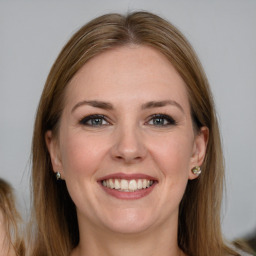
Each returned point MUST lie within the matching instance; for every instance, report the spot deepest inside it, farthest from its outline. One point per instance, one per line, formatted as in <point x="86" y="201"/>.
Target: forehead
<point x="127" y="72"/>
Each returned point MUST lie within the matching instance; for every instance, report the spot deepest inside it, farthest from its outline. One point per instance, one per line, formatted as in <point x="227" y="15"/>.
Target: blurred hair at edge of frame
<point x="13" y="242"/>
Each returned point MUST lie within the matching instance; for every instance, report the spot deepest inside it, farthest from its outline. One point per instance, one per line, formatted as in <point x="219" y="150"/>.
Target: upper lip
<point x="125" y="176"/>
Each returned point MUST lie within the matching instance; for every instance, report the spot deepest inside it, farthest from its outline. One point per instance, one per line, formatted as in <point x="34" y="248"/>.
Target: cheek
<point x="81" y="154"/>
<point x="81" y="158"/>
<point x="173" y="155"/>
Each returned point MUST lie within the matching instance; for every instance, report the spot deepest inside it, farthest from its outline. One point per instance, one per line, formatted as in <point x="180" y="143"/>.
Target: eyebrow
<point x="94" y="103"/>
<point x="109" y="106"/>
<point x="157" y="104"/>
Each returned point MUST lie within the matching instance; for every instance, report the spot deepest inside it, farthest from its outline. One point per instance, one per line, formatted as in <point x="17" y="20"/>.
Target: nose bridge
<point x="129" y="145"/>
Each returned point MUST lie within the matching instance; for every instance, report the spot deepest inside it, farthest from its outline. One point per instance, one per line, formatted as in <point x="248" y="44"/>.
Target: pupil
<point x="158" y="121"/>
<point x="97" y="121"/>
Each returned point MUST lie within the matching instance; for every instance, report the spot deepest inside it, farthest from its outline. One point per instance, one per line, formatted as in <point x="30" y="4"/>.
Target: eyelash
<point x="166" y="120"/>
<point x="162" y="119"/>
<point x="85" y="121"/>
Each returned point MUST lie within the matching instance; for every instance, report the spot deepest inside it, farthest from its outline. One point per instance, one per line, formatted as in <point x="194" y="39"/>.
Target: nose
<point x="129" y="145"/>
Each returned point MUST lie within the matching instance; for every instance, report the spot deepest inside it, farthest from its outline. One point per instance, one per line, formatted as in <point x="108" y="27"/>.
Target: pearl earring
<point x="58" y="175"/>
<point x="196" y="170"/>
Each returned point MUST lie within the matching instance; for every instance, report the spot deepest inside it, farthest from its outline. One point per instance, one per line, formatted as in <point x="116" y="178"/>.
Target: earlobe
<point x="199" y="151"/>
<point x="54" y="152"/>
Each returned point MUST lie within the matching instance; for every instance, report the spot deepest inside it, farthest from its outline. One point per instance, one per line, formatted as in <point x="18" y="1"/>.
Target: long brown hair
<point x="11" y="220"/>
<point x="56" y="232"/>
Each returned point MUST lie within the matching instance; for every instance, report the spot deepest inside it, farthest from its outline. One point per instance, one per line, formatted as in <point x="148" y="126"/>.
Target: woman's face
<point x="126" y="143"/>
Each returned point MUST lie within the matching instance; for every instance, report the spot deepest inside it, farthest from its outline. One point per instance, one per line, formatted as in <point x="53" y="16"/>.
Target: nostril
<point x="128" y="158"/>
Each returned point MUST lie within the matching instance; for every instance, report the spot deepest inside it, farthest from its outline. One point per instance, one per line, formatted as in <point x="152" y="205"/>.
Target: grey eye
<point x="94" y="120"/>
<point x="161" y="120"/>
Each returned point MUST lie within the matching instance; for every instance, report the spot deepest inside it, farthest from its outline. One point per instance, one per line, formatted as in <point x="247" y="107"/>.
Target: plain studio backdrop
<point x="223" y="34"/>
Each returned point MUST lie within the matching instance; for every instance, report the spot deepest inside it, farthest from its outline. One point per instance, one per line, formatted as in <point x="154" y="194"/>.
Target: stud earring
<point x="196" y="170"/>
<point x="58" y="176"/>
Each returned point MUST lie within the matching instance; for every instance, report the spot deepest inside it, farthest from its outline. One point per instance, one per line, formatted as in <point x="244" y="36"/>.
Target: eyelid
<point x="170" y="119"/>
<point x="85" y="119"/>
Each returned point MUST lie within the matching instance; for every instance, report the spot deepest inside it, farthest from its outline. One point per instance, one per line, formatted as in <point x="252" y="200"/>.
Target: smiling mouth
<point x="124" y="185"/>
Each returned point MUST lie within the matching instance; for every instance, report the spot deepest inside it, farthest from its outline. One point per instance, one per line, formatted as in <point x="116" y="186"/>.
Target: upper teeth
<point x="127" y="185"/>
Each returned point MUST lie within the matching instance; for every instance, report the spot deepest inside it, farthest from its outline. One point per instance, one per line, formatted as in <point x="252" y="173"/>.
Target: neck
<point x="150" y="242"/>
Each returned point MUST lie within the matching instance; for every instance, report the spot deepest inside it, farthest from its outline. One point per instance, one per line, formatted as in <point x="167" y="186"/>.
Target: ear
<point x="199" y="150"/>
<point x="54" y="151"/>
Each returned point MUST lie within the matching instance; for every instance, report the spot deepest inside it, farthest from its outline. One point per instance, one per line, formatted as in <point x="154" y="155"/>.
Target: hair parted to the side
<point x="10" y="221"/>
<point x="56" y="231"/>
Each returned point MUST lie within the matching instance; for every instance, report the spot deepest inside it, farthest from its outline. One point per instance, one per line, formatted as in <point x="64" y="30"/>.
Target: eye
<point x="161" y="120"/>
<point x="94" y="120"/>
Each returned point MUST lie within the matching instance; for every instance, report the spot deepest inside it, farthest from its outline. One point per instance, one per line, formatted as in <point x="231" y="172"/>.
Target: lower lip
<point x="129" y="195"/>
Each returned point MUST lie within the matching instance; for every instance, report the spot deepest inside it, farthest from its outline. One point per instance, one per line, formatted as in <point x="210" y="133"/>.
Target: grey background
<point x="222" y="32"/>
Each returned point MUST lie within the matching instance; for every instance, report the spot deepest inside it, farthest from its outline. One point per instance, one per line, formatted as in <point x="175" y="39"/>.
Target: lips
<point x="125" y="186"/>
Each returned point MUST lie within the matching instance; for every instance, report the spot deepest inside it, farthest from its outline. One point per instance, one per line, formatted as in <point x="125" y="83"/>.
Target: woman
<point x="125" y="125"/>
<point x="11" y="242"/>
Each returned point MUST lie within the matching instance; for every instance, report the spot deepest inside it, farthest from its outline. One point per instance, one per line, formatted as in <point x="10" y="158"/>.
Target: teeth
<point x="144" y="183"/>
<point x="133" y="185"/>
<point x="139" y="184"/>
<point x="127" y="185"/>
<point x="111" y="183"/>
<point x="117" y="184"/>
<point x="124" y="185"/>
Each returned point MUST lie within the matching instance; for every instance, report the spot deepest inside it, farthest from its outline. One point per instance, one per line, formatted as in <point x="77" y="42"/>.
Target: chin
<point x="129" y="222"/>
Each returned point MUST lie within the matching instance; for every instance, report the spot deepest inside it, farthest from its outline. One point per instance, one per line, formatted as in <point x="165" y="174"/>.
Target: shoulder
<point x="243" y="253"/>
<point x="240" y="249"/>
<point x="243" y="248"/>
